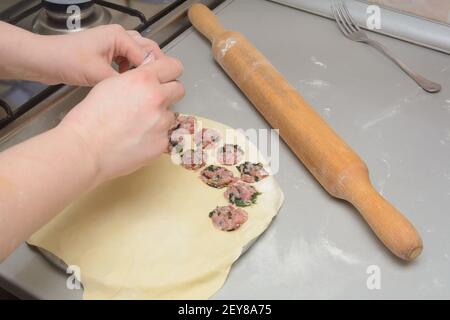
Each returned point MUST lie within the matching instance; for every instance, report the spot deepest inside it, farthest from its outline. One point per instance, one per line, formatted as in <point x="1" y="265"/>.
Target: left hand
<point x="85" y="58"/>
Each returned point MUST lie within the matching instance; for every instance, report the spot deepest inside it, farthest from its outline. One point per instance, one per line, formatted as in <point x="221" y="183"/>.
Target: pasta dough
<point x="149" y="236"/>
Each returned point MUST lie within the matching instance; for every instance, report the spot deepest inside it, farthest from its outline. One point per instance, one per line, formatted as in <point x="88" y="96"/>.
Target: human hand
<point x="85" y="58"/>
<point x="124" y="121"/>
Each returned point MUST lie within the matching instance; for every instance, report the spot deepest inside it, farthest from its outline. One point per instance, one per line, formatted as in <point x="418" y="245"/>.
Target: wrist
<point x="86" y="160"/>
<point x="45" y="59"/>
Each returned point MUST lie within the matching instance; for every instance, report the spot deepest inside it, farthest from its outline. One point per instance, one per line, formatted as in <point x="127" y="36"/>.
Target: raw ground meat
<point x="207" y="138"/>
<point x="252" y="172"/>
<point x="230" y="155"/>
<point x="217" y="177"/>
<point x="241" y="194"/>
<point x="193" y="160"/>
<point x="176" y="140"/>
<point x="187" y="122"/>
<point x="228" y="218"/>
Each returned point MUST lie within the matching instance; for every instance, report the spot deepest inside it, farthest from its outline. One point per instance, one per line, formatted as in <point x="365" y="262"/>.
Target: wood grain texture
<point x="332" y="162"/>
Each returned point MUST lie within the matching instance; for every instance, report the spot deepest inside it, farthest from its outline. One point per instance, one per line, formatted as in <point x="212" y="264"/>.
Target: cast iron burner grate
<point x="5" y="108"/>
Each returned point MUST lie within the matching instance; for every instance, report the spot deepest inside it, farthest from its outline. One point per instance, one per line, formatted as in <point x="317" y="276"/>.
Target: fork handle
<point x="424" y="83"/>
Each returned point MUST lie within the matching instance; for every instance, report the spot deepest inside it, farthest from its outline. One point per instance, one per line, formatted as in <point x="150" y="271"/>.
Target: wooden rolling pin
<point x="332" y="162"/>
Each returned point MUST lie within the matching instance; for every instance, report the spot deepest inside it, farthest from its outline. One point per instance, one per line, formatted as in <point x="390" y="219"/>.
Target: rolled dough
<point x="148" y="235"/>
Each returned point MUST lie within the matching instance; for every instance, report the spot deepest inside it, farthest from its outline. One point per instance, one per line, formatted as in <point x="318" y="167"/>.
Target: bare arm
<point x="16" y="47"/>
<point x="119" y="127"/>
<point x="38" y="178"/>
<point x="81" y="58"/>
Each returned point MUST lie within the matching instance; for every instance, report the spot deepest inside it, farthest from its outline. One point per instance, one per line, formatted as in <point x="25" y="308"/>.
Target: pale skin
<point x="121" y="126"/>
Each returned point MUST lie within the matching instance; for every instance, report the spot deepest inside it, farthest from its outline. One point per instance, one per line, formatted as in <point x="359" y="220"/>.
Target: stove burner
<point x="5" y="112"/>
<point x="67" y="2"/>
<point x="65" y="16"/>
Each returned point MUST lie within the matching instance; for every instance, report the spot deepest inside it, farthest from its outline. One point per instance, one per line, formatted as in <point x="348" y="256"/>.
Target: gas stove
<point x="64" y="16"/>
<point x="162" y="20"/>
<point x="60" y="17"/>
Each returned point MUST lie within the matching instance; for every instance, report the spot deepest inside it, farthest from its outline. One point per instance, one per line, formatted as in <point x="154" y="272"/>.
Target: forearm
<point x="77" y="58"/>
<point x="24" y="55"/>
<point x="38" y="179"/>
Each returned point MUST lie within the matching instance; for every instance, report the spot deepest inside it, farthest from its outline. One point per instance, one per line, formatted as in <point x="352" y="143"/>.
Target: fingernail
<point x="149" y="57"/>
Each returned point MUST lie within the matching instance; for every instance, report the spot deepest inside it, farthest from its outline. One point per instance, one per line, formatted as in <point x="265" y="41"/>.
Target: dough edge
<point x="92" y="290"/>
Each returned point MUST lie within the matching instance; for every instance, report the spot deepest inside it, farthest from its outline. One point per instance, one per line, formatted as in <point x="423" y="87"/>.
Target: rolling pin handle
<point x="391" y="227"/>
<point x="205" y="21"/>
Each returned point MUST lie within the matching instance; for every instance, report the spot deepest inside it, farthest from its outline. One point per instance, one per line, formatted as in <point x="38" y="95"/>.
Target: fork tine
<point x="350" y="17"/>
<point x="345" y="17"/>
<point x="337" y="17"/>
<point x="343" y="21"/>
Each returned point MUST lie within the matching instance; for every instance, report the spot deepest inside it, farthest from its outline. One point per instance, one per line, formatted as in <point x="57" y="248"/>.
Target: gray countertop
<point x="398" y="24"/>
<point x="319" y="247"/>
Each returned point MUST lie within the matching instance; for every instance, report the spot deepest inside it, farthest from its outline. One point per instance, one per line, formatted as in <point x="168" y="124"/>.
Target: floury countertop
<point x="319" y="247"/>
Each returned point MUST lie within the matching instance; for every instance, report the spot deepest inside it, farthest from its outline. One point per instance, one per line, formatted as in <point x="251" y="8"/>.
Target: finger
<point x="103" y="71"/>
<point x="173" y="91"/>
<point x="128" y="48"/>
<point x="169" y="120"/>
<point x="146" y="44"/>
<point x="149" y="58"/>
<point x="167" y="69"/>
<point x="133" y="33"/>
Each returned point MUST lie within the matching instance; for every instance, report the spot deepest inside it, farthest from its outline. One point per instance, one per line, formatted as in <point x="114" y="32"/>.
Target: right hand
<point x="124" y="121"/>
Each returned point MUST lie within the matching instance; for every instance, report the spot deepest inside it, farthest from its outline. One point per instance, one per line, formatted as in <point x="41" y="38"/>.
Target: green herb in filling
<point x="255" y="196"/>
<point x="240" y="203"/>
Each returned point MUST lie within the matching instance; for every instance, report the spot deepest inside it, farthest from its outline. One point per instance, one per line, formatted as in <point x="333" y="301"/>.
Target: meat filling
<point x="187" y="122"/>
<point x="252" y="172"/>
<point x="241" y="194"/>
<point x="230" y="155"/>
<point x="193" y="160"/>
<point x="228" y="218"/>
<point x="176" y="140"/>
<point x="217" y="177"/>
<point x="207" y="138"/>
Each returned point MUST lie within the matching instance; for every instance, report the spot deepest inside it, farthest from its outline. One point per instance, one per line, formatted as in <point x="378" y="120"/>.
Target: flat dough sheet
<point x="149" y="236"/>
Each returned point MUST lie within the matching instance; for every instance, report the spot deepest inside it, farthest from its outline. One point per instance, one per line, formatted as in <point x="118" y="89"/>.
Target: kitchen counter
<point x="430" y="9"/>
<point x="319" y="247"/>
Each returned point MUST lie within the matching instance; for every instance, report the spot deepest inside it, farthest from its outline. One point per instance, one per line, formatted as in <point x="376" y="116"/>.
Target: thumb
<point x="128" y="48"/>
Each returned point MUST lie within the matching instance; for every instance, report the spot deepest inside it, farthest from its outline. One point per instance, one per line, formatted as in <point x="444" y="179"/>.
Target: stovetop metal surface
<point x="9" y="9"/>
<point x="317" y="247"/>
<point x="17" y="95"/>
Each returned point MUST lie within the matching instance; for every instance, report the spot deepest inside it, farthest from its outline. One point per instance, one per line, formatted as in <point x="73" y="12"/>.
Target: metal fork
<point x="352" y="31"/>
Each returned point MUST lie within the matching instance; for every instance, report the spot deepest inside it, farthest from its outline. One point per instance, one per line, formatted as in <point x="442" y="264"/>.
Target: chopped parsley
<point x="240" y="203"/>
<point x="255" y="196"/>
